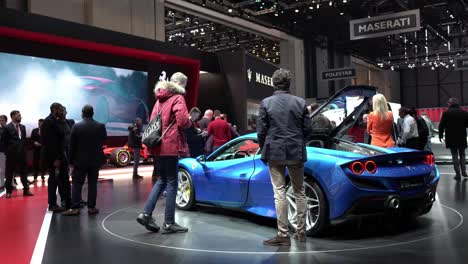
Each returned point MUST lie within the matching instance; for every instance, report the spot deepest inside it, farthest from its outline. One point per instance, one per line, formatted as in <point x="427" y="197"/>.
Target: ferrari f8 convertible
<point x="344" y="177"/>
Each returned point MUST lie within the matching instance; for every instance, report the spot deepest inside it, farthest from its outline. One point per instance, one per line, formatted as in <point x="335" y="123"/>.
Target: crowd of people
<point x="283" y="125"/>
<point x="58" y="144"/>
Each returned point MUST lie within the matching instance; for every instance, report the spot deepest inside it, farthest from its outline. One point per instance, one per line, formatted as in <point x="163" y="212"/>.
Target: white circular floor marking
<point x="285" y="252"/>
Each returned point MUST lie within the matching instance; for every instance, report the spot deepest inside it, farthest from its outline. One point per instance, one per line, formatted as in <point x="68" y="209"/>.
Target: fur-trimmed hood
<point x="169" y="88"/>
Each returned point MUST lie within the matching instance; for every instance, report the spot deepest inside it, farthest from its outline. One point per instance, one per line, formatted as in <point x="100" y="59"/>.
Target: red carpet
<point x="20" y="223"/>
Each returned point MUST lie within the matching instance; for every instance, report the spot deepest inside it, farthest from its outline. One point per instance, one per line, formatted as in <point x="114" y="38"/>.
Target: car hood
<point x="346" y="107"/>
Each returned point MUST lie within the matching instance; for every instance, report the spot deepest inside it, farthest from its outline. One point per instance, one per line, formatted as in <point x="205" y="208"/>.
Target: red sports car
<point x="122" y="156"/>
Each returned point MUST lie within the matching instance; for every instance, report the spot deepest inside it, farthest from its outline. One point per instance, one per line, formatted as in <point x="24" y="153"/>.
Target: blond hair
<point x="380" y="105"/>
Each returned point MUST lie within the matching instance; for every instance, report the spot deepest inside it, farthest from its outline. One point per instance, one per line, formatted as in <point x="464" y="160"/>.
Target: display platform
<point x="226" y="236"/>
<point x="214" y="230"/>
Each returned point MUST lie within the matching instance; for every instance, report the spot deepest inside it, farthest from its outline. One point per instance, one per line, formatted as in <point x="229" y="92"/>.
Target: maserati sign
<point x="401" y="22"/>
<point x="259" y="78"/>
<point x="338" y="74"/>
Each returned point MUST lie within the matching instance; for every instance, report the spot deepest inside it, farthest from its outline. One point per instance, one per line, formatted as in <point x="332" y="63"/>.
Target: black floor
<point x="223" y="236"/>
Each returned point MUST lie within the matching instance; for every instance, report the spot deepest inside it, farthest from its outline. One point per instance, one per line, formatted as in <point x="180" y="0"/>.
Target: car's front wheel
<point x="316" y="208"/>
<point x="185" y="199"/>
<point x="121" y="157"/>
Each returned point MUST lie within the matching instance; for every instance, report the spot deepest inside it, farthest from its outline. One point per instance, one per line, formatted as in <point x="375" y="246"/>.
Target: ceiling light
<point x="341" y="13"/>
<point x="345" y="1"/>
<point x="318" y="6"/>
<point x="276" y="14"/>
<point x="311" y="7"/>
<point x="297" y="10"/>
<point x="230" y="10"/>
<point x="330" y="3"/>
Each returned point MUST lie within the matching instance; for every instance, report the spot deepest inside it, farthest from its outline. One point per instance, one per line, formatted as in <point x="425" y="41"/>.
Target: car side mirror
<point x="201" y="159"/>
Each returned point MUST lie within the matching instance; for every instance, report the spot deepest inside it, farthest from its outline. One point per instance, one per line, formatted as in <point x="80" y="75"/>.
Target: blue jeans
<point x="168" y="180"/>
<point x="136" y="160"/>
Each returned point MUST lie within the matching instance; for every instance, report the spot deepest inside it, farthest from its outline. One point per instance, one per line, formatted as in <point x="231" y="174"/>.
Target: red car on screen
<point x="111" y="103"/>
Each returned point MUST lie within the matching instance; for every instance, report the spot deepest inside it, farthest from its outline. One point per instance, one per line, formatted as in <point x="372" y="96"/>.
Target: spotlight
<point x="311" y="7"/>
<point x="341" y="13"/>
<point x="230" y="10"/>
<point x="297" y="10"/>
<point x="345" y="1"/>
<point x="330" y="3"/>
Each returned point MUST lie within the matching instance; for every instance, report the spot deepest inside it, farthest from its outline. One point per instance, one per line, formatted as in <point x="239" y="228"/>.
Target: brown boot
<point x="278" y="241"/>
<point x="301" y="237"/>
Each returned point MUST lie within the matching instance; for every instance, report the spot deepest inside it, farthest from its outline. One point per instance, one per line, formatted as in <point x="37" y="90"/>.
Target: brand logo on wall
<point x="338" y="74"/>
<point x="401" y="22"/>
<point x="249" y="75"/>
<point x="260" y="78"/>
<point x="163" y="77"/>
<point x="461" y="63"/>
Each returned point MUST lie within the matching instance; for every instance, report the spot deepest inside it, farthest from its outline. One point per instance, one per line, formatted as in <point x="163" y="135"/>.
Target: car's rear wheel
<point x="316" y="208"/>
<point x="121" y="157"/>
<point x="185" y="198"/>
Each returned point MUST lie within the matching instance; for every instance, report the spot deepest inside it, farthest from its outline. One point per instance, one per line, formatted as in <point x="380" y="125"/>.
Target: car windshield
<point x="236" y="150"/>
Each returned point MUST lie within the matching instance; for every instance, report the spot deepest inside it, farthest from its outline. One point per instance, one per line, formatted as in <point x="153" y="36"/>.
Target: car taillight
<point x="429" y="159"/>
<point x="371" y="166"/>
<point x="357" y="167"/>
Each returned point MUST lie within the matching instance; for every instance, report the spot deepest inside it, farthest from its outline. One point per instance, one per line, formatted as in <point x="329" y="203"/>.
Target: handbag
<point x="153" y="134"/>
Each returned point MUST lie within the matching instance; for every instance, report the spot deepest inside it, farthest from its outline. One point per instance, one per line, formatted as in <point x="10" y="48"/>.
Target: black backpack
<point x="153" y="134"/>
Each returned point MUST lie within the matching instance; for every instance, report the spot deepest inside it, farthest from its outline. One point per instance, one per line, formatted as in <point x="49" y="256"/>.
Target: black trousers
<point x="59" y="179"/>
<point x="412" y="143"/>
<point x="79" y="175"/>
<point x="16" y="164"/>
<point x="458" y="163"/>
<point x="37" y="164"/>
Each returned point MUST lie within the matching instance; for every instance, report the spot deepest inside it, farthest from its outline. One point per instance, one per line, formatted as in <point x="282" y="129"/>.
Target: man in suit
<point x="37" y="147"/>
<point x="134" y="142"/>
<point x="86" y="157"/>
<point x="282" y="127"/>
<point x="3" y="122"/>
<point x="53" y="153"/>
<point x="15" y="138"/>
<point x="453" y="124"/>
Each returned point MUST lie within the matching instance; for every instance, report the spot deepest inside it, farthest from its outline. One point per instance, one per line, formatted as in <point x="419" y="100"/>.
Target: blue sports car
<point x="344" y="178"/>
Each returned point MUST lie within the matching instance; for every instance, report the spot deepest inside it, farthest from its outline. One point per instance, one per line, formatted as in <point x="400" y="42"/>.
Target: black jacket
<point x="35" y="137"/>
<point x="2" y="139"/>
<point x="195" y="142"/>
<point x="282" y="127"/>
<point x="86" y="142"/>
<point x="15" y="146"/>
<point x="52" y="140"/>
<point x="454" y="122"/>
<point x="134" y="137"/>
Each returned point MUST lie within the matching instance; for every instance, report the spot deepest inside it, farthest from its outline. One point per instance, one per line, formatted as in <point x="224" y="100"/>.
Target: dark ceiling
<point x="325" y="23"/>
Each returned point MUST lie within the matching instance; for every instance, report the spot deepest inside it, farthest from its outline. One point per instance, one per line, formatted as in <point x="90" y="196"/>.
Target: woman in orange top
<point x="380" y="123"/>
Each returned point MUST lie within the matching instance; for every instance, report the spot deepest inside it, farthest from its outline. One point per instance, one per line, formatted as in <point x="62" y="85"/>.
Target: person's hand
<point x="57" y="163"/>
<point x="204" y="133"/>
<point x="441" y="140"/>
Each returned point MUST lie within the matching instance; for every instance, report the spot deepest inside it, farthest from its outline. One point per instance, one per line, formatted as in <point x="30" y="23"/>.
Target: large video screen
<point x="31" y="85"/>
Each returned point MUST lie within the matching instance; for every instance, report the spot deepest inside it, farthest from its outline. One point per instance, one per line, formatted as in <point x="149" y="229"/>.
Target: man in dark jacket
<point x="86" y="157"/>
<point x="282" y="127"/>
<point x="134" y="141"/>
<point x="423" y="130"/>
<point x="3" y="122"/>
<point x="37" y="147"/>
<point x="15" y="139"/>
<point x="53" y="153"/>
<point x="454" y="122"/>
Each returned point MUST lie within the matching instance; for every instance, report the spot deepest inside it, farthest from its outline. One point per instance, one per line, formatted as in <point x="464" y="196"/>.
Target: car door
<point x="228" y="171"/>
